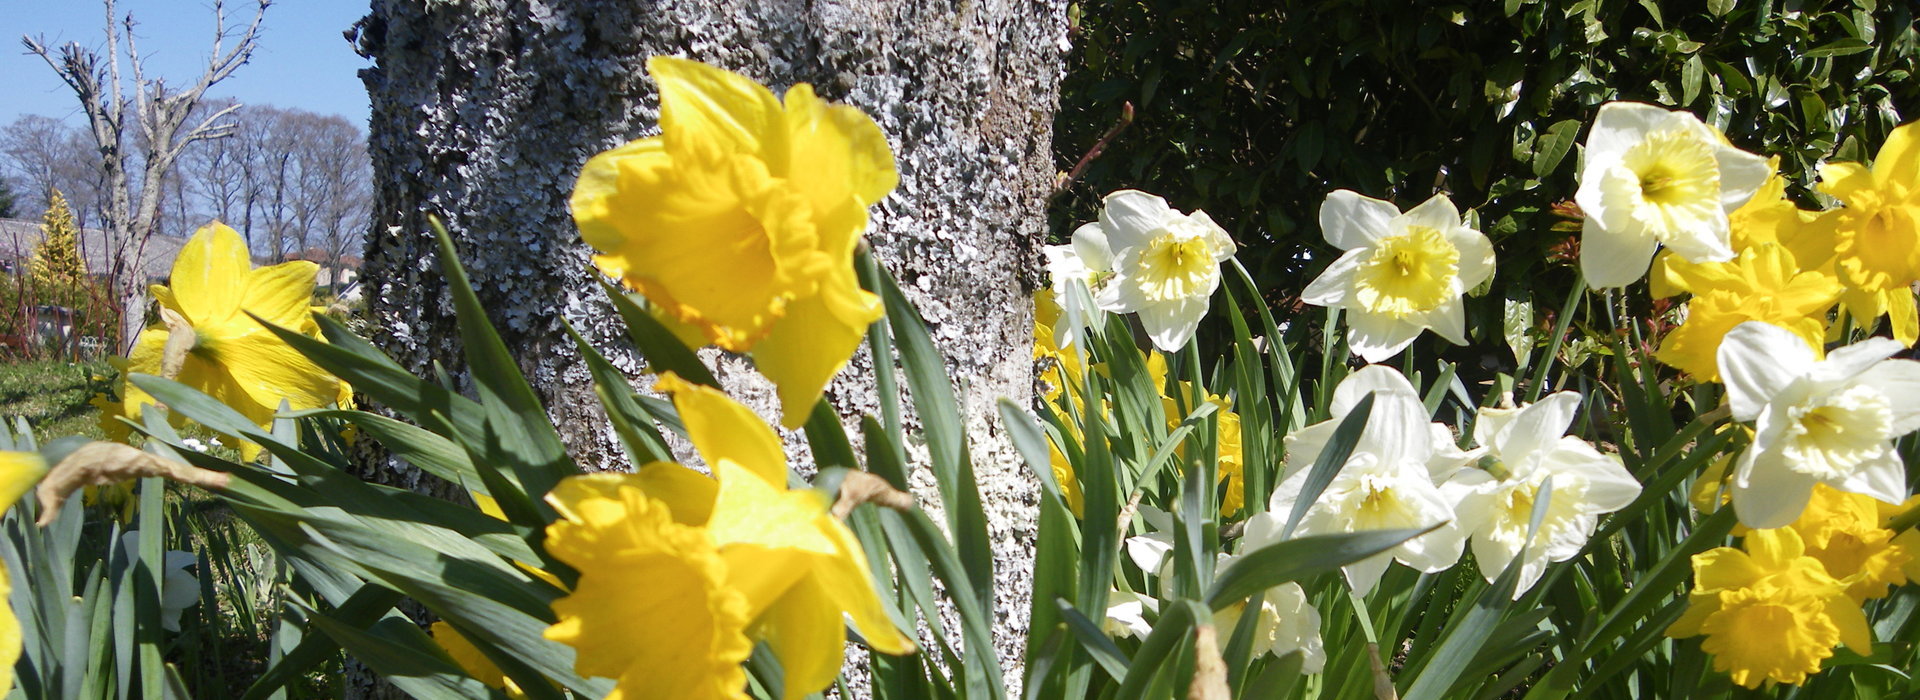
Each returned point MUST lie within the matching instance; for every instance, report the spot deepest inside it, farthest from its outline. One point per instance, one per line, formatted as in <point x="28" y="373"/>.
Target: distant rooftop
<point x="18" y="237"/>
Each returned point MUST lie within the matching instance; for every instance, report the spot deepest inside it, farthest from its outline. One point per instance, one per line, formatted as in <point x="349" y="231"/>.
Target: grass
<point x="52" y="395"/>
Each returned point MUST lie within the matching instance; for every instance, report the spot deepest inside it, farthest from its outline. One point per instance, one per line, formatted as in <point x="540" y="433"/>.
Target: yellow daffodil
<point x="1400" y="273"/>
<point x="1055" y="364"/>
<point x="1769" y="612"/>
<point x="230" y="356"/>
<point x="740" y="221"/>
<point x="679" y="571"/>
<point x="1763" y="284"/>
<point x="1654" y="177"/>
<point x="18" y="472"/>
<point x="1847" y="533"/>
<point x="472" y="661"/>
<point x="1876" y="232"/>
<point x="1230" y="465"/>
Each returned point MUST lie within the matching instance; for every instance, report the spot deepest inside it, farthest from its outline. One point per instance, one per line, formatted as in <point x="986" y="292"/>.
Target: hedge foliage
<point x="1254" y="110"/>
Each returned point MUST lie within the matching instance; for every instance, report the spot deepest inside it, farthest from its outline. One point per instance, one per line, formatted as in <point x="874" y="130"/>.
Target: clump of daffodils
<point x="1400" y="273"/>
<point x="1768" y="611"/>
<point x="772" y="192"/>
<point x="1390" y="481"/>
<point x="1165" y="264"/>
<point x="1654" y="177"/>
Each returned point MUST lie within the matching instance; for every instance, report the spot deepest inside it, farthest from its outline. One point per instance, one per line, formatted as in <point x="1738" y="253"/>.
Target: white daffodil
<point x="1304" y="445"/>
<point x="1526" y="446"/>
<point x="1166" y="264"/>
<point x="1401" y="273"/>
<point x="1127" y="614"/>
<point x="1086" y="260"/>
<point x="1829" y="421"/>
<point x="1288" y="623"/>
<point x="1656" y="177"/>
<point x="179" y="590"/>
<point x="1387" y="483"/>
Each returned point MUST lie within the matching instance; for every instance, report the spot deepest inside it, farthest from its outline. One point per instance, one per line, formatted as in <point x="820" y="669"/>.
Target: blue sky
<point x="301" y="60"/>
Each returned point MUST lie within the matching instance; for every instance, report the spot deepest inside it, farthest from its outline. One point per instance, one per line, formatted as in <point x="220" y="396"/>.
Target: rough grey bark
<point x="484" y="111"/>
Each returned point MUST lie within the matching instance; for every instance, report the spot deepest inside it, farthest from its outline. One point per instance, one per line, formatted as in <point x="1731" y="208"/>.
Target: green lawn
<point x="52" y="395"/>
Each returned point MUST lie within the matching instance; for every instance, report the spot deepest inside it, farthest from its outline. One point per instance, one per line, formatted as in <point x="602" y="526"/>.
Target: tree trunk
<point x="483" y="114"/>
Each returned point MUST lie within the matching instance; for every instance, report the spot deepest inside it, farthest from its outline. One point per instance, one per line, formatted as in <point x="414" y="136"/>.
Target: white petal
<point x="1352" y="220"/>
<point x="1766" y="493"/>
<point x="1449" y="321"/>
<point x="1613" y="258"/>
<point x="1619" y="126"/>
<point x="1150" y="551"/>
<point x="1710" y="244"/>
<point x="1884" y="478"/>
<point x="1476" y="256"/>
<point x="1263" y="529"/>
<point x="1610" y="486"/>
<point x="1437" y="213"/>
<point x="1843" y="364"/>
<point x="1377" y="338"/>
<point x="1757" y="361"/>
<point x="1171" y="323"/>
<point x="1537" y="427"/>
<point x="1447" y="456"/>
<point x="1364" y="574"/>
<point x="1131" y="217"/>
<point x="1368" y="380"/>
<point x="1899" y="380"/>
<point x="1090" y="244"/>
<point x="1334" y="283"/>
<point x="1741" y="174"/>
<point x="1217" y="238"/>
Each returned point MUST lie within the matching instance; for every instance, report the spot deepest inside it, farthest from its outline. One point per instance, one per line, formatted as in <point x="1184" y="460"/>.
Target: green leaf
<point x="1300" y="559"/>
<point x="1332" y="458"/>
<point x="1554" y="145"/>
<point x="1720" y="8"/>
<point x="1094" y="640"/>
<point x="946" y="435"/>
<point x="629" y="417"/>
<point x="1842" y="47"/>
<point x="1691" y="73"/>
<point x="664" y="352"/>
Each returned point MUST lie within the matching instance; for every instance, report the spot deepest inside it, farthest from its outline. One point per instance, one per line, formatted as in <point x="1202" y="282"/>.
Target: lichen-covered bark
<point x="483" y="112"/>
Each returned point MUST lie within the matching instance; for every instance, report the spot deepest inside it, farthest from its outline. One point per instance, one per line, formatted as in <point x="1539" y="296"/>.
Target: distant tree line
<point x="291" y="180"/>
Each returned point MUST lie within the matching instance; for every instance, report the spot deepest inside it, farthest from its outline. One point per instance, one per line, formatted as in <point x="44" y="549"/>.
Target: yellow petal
<point x="811" y="345"/>
<point x="703" y="107"/>
<point x="1902" y="314"/>
<point x="19" y="471"/>
<point x="1843" y="179"/>
<point x="1774" y="549"/>
<point x="10" y="640"/>
<point x="1724" y="568"/>
<point x="842" y="159"/>
<point x="688" y="493"/>
<point x="645" y="567"/>
<point x="597" y="190"/>
<point x="848" y="581"/>
<point x="210" y="275"/>
<point x="471" y="659"/>
<point x="281" y="294"/>
<point x="1899" y="158"/>
<point x="750" y="510"/>
<point x="725" y="431"/>
<point x="803" y="628"/>
<point x="269" y="371"/>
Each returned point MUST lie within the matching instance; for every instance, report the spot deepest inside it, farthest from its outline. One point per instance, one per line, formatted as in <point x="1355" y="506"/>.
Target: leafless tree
<point x="45" y="154"/>
<point x="161" y="113"/>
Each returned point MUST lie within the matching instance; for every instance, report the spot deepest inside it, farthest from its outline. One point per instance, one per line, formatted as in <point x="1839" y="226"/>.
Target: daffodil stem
<point x="1382" y="683"/>
<point x="1538" y="383"/>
